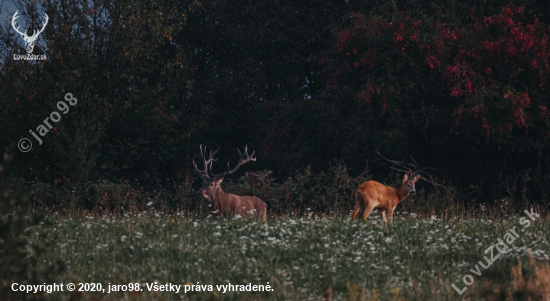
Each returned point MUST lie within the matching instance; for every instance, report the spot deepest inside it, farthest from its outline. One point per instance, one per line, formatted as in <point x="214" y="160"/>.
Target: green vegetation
<point x="302" y="258"/>
<point x="324" y="91"/>
<point x="460" y="86"/>
<point x="19" y="256"/>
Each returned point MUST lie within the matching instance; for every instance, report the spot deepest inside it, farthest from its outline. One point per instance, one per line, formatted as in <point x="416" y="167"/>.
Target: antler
<point x="43" y="26"/>
<point x="15" y="16"/>
<point x="34" y="33"/>
<point x="204" y="173"/>
<point x="242" y="160"/>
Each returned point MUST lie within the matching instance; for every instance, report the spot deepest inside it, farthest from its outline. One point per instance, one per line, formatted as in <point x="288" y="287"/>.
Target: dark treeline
<point x="459" y="86"/>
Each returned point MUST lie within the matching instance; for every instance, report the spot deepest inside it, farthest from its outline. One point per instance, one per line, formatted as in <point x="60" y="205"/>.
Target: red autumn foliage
<point x="489" y="67"/>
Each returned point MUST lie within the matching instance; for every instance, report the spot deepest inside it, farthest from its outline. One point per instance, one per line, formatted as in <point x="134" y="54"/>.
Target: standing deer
<point x="375" y="195"/>
<point x="228" y="202"/>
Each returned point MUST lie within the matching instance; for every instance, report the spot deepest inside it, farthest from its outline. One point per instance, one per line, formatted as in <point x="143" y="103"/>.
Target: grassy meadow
<point x="307" y="258"/>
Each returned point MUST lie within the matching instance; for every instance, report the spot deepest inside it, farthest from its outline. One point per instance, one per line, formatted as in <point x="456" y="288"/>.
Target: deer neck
<point x="402" y="193"/>
<point x="219" y="199"/>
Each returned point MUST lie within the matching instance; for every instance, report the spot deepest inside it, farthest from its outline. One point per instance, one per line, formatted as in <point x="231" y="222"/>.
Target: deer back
<point x="377" y="195"/>
<point x="382" y="196"/>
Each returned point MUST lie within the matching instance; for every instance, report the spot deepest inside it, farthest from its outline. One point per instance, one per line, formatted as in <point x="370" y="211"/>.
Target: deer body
<point x="373" y="194"/>
<point x="234" y="204"/>
<point x="225" y="203"/>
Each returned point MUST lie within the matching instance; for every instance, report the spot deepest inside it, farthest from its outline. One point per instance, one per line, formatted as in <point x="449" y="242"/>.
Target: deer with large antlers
<point x="222" y="202"/>
<point x="376" y="195"/>
<point x="29" y="41"/>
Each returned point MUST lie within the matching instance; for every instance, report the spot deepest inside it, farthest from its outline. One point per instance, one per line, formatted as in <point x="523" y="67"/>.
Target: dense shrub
<point x="19" y="257"/>
<point x="459" y="86"/>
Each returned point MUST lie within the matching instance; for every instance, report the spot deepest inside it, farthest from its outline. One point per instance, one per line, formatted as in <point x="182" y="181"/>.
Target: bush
<point x="18" y="256"/>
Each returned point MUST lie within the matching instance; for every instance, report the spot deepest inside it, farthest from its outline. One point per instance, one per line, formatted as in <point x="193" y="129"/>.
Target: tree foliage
<point x="459" y="86"/>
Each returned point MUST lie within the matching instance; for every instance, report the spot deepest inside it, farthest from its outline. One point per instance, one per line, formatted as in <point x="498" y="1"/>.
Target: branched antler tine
<point x="212" y="155"/>
<point x="206" y="162"/>
<point x="43" y="26"/>
<point x="243" y="158"/>
<point x="251" y="157"/>
<point x="209" y="161"/>
<point x="47" y="19"/>
<point x="204" y="173"/>
<point x="15" y="16"/>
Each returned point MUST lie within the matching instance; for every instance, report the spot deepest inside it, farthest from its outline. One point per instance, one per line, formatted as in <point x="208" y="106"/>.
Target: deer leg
<point x="367" y="212"/>
<point x="356" y="210"/>
<point x="384" y="216"/>
<point x="390" y="214"/>
<point x="263" y="214"/>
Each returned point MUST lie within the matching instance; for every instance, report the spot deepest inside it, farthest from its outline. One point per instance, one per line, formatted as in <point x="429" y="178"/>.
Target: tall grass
<point x="121" y="233"/>
<point x="305" y="258"/>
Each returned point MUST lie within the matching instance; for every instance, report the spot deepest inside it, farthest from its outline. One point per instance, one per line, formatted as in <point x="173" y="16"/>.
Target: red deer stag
<point x="221" y="201"/>
<point x="375" y="195"/>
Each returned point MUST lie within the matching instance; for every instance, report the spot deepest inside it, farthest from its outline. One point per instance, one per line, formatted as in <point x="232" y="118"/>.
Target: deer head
<point x="29" y="41"/>
<point x="211" y="183"/>
<point x="408" y="182"/>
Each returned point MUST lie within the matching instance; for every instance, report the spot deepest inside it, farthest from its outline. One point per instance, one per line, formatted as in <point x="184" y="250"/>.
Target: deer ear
<point x="406" y="178"/>
<point x="416" y="178"/>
